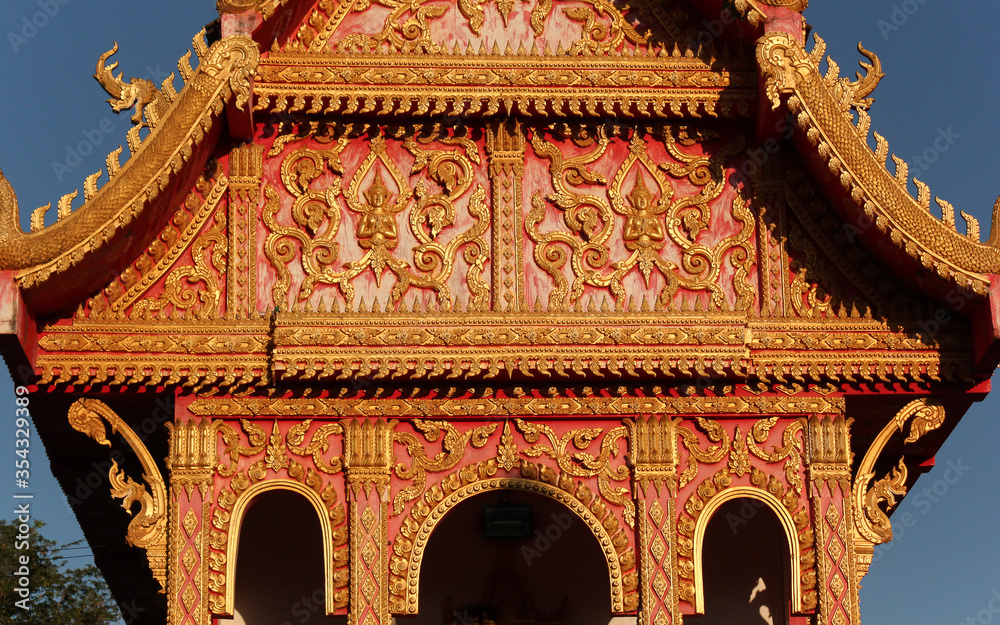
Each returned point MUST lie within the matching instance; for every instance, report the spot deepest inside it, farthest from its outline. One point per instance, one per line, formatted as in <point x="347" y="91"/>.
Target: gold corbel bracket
<point x="368" y="456"/>
<point x="653" y="453"/>
<point x="148" y="529"/>
<point x="828" y="452"/>
<point x="871" y="522"/>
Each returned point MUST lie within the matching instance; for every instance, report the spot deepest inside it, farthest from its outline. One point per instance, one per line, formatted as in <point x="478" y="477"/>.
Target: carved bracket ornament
<point x="873" y="502"/>
<point x="148" y="528"/>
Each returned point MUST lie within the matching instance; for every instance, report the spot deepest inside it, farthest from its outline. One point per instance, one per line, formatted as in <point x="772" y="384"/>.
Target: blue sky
<point x="942" y="77"/>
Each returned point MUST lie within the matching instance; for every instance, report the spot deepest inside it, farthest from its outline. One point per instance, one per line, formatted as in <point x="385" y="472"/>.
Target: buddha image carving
<point x="643" y="225"/>
<point x="377" y="226"/>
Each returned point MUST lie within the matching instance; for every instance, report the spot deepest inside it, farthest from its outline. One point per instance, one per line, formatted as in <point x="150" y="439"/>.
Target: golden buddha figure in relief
<point x="377" y="226"/>
<point x="642" y="226"/>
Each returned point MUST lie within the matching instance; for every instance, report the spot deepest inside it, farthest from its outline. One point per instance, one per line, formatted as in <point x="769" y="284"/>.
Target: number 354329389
<point x="22" y="435"/>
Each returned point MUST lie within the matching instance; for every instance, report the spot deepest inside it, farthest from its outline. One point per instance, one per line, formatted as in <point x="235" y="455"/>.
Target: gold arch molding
<point x="444" y="506"/>
<point x="239" y="511"/>
<point x="787" y="524"/>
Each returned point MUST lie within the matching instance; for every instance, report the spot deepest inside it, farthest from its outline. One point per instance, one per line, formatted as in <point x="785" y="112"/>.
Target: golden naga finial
<point x="140" y="93"/>
<point x="994" y="240"/>
<point x="865" y="85"/>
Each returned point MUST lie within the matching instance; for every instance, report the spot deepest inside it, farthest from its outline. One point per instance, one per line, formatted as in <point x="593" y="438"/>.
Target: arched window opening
<point x="279" y="564"/>
<point x="486" y="564"/>
<point x="745" y="564"/>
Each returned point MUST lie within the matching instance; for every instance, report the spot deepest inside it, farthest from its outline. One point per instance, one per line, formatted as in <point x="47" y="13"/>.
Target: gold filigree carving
<point x="421" y="343"/>
<point x="581" y="464"/>
<point x="242" y="485"/>
<point x="317" y="216"/>
<point x="194" y="291"/>
<point x="148" y="529"/>
<point x="715" y="490"/>
<point x="453" y="445"/>
<point x="791" y="448"/>
<point x="692" y="443"/>
<point x="245" y="176"/>
<point x="277" y="447"/>
<point x="123" y="297"/>
<point x="507" y="451"/>
<point x="407" y="27"/>
<point x="401" y="408"/>
<point x="650" y="218"/>
<point x="653" y="453"/>
<point x="505" y="149"/>
<point x="655" y="83"/>
<point x="740" y="447"/>
<point x="812" y="291"/>
<point x="193" y="453"/>
<point x="191" y="465"/>
<point x="828" y="452"/>
<point x="368" y="453"/>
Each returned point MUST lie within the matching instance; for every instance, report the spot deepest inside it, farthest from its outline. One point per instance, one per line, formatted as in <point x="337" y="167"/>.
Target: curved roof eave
<point x="832" y="126"/>
<point x="140" y="192"/>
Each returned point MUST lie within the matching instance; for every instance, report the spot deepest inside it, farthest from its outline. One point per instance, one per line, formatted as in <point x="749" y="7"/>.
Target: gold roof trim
<point x="826" y="107"/>
<point x="656" y="82"/>
<point x="177" y="123"/>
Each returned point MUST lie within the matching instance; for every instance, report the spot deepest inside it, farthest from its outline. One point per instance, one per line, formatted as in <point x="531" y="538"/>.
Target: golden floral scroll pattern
<point x="739" y="451"/>
<point x="271" y="456"/>
<point x="380" y="195"/>
<point x="656" y="225"/>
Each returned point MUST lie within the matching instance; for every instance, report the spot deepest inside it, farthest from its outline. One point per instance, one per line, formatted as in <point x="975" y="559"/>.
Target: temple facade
<point x="548" y="312"/>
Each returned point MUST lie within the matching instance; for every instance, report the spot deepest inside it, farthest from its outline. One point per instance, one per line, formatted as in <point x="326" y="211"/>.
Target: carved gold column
<point x="367" y="466"/>
<point x="192" y="461"/>
<point x="828" y="455"/>
<point x="653" y="450"/>
<point x="505" y="149"/>
<point x="245" y="167"/>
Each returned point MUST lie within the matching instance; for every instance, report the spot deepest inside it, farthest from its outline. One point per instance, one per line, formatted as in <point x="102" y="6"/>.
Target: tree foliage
<point x="59" y="594"/>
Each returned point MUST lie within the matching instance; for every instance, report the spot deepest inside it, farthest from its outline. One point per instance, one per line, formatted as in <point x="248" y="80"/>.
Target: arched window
<point x="745" y="566"/>
<point x="279" y="566"/>
<point x="550" y="572"/>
